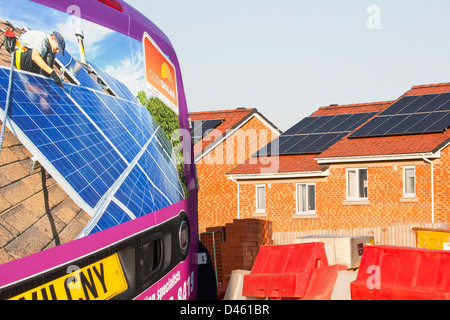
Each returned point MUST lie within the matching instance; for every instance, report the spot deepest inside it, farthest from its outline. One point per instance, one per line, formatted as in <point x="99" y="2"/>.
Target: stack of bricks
<point x="239" y="245"/>
<point x="243" y="239"/>
<point x="212" y="239"/>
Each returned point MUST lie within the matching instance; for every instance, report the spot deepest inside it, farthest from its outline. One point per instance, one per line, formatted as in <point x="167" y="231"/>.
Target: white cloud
<point x="94" y="34"/>
<point x="129" y="71"/>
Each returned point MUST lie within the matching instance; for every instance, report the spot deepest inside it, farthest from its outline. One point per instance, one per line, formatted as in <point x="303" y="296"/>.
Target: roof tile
<point x="393" y="145"/>
<point x="429" y="89"/>
<point x="353" y="108"/>
<point x="283" y="164"/>
<point x="231" y="119"/>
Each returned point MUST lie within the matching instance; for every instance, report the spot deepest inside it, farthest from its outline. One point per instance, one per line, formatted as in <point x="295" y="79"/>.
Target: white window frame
<point x="258" y="209"/>
<point x="405" y="193"/>
<point x="356" y="184"/>
<point x="297" y="202"/>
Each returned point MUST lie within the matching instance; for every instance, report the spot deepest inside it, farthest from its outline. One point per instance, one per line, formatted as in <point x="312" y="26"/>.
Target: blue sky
<point x="289" y="57"/>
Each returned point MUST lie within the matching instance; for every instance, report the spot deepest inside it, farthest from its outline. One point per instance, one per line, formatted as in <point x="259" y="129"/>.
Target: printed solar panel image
<point x="76" y="71"/>
<point x="107" y="152"/>
<point x="117" y="87"/>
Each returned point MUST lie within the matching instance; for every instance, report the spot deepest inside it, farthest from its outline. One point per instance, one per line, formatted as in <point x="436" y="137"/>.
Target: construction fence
<point x="393" y="234"/>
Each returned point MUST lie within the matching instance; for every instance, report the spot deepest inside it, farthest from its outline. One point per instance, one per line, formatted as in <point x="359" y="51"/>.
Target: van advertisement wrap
<point x="94" y="200"/>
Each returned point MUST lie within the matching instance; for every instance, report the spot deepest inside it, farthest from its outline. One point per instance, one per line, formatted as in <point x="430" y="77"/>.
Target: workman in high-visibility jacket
<point x="36" y="50"/>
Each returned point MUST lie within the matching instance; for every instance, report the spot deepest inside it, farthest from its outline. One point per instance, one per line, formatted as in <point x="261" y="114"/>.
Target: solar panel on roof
<point x="303" y="143"/>
<point x="107" y="153"/>
<point x="324" y="142"/>
<point x="335" y="121"/>
<point x="440" y="103"/>
<point x="302" y="125"/>
<point x="210" y="124"/>
<point x="401" y="123"/>
<point x="356" y="120"/>
<point x="196" y="124"/>
<point x="333" y="138"/>
<point x="398" y="105"/>
<point x="287" y="143"/>
<point x="315" y="134"/>
<point x="319" y="126"/>
<point x="118" y="88"/>
<point x="76" y="71"/>
<point x="445" y="106"/>
<point x="440" y="121"/>
<point x="410" y="115"/>
<point x="419" y="103"/>
<point x="200" y="128"/>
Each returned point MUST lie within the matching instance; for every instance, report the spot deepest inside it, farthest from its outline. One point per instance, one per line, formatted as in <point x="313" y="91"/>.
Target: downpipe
<point x="432" y="186"/>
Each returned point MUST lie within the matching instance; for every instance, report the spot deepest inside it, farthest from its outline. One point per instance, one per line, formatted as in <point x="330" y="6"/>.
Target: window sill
<point x="259" y="214"/>
<point x="356" y="202"/>
<point x="409" y="199"/>
<point x="305" y="216"/>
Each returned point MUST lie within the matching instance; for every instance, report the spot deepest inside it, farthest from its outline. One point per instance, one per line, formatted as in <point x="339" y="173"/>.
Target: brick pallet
<point x="212" y="239"/>
<point x="236" y="245"/>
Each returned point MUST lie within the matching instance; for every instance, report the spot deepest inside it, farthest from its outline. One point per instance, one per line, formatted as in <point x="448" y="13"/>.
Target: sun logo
<point x="165" y="72"/>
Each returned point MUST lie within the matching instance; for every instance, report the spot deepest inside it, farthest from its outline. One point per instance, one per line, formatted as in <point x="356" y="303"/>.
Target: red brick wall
<point x="385" y="205"/>
<point x="442" y="187"/>
<point x="217" y="196"/>
<point x="385" y="192"/>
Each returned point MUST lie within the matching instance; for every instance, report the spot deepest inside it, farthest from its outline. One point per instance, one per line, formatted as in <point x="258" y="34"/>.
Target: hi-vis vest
<point x="19" y="50"/>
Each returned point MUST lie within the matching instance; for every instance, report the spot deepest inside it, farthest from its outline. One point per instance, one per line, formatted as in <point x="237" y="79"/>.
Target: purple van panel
<point x="129" y="22"/>
<point x="96" y="12"/>
<point x="65" y="253"/>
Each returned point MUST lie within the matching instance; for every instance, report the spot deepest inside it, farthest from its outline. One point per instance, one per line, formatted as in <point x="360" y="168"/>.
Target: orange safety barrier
<point x="400" y="273"/>
<point x="322" y="281"/>
<point x="283" y="271"/>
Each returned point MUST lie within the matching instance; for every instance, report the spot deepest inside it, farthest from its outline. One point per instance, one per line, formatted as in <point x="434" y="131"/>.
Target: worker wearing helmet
<point x="36" y="51"/>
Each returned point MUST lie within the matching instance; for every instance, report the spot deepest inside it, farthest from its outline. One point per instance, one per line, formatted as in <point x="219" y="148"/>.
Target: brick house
<point x="355" y="182"/>
<point x="222" y="140"/>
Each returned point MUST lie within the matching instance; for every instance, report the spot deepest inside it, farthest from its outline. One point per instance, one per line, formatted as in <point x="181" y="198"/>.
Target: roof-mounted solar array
<point x="200" y="128"/>
<point x="117" y="88"/>
<point x="75" y="71"/>
<point x="410" y="115"/>
<point x="315" y="134"/>
<point x="107" y="153"/>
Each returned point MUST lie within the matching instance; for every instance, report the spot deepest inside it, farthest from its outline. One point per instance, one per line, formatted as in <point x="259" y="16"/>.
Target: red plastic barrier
<point x="322" y="281"/>
<point x="400" y="273"/>
<point x="284" y="271"/>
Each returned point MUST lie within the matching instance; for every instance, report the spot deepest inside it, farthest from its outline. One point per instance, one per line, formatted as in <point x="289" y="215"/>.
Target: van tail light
<point x="113" y="4"/>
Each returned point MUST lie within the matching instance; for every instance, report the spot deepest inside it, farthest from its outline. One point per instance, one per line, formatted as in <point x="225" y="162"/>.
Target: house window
<point x="306" y="198"/>
<point x="357" y="184"/>
<point x="261" y="198"/>
<point x="409" y="182"/>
